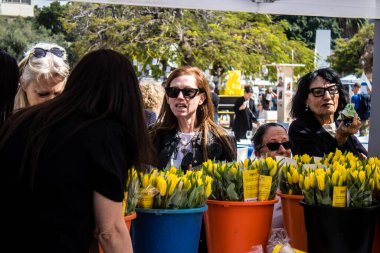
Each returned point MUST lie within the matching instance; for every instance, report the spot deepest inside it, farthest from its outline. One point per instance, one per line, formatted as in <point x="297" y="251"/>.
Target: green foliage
<point x="354" y="55"/>
<point x="220" y="40"/>
<point x="19" y="34"/>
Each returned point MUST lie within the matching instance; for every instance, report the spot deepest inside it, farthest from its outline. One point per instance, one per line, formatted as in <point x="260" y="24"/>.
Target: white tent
<point x="350" y="79"/>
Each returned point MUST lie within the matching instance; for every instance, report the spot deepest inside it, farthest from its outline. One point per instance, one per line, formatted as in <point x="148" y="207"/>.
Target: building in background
<point x="14" y="8"/>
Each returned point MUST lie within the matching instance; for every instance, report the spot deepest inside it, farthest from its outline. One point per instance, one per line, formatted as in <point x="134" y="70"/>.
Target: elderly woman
<point x="270" y="140"/>
<point x="315" y="107"/>
<point x="43" y="75"/>
<point x="185" y="133"/>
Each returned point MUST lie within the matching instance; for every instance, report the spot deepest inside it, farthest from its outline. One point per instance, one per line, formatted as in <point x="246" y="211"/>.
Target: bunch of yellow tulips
<point x="341" y="175"/>
<point x="172" y="189"/>
<point x="230" y="179"/>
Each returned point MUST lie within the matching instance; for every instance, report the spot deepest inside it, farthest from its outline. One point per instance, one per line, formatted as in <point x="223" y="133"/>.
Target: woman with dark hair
<point x="185" y="133"/>
<point x="9" y="75"/>
<point x="271" y="139"/>
<point x="65" y="161"/>
<point x="316" y="106"/>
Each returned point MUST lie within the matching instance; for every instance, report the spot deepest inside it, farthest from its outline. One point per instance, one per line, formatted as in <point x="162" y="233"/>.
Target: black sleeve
<point x="237" y="105"/>
<point x="108" y="155"/>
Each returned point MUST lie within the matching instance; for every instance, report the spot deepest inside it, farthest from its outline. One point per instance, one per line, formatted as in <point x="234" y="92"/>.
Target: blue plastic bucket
<point x="166" y="230"/>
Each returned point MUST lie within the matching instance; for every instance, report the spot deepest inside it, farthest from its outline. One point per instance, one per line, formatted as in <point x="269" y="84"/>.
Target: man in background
<point x="215" y="101"/>
<point x="362" y="107"/>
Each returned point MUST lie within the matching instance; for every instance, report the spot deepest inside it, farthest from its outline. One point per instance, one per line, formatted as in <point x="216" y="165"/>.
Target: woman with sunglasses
<point x="65" y="162"/>
<point x="185" y="133"/>
<point x="43" y="75"/>
<point x="271" y="140"/>
<point x="316" y="107"/>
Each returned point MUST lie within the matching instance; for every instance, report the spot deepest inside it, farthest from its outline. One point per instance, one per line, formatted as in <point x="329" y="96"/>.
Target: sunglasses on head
<point x="189" y="93"/>
<point x="320" y="91"/>
<point x="273" y="146"/>
<point x="40" y="52"/>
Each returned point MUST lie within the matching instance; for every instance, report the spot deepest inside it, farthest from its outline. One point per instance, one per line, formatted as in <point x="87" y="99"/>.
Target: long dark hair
<point x="9" y="76"/>
<point x="299" y="99"/>
<point x="103" y="85"/>
<point x="167" y="121"/>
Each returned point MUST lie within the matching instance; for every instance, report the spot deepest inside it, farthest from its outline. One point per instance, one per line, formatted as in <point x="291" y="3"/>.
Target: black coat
<point x="243" y="118"/>
<point x="167" y="144"/>
<point x="309" y="137"/>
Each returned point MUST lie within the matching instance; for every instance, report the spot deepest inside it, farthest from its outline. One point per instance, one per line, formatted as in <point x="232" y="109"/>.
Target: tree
<point x="19" y="34"/>
<point x="158" y="38"/>
<point x="354" y="55"/>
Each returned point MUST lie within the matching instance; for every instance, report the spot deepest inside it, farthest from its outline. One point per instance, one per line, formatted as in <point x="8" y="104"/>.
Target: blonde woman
<point x="153" y="95"/>
<point x="43" y="75"/>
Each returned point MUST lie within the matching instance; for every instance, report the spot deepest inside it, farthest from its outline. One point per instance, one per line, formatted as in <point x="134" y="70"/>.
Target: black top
<point x="244" y="118"/>
<point x="167" y="144"/>
<point x="58" y="216"/>
<point x="309" y="137"/>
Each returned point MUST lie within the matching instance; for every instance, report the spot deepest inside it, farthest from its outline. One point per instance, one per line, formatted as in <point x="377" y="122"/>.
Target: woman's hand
<point x="342" y="132"/>
<point x="244" y="105"/>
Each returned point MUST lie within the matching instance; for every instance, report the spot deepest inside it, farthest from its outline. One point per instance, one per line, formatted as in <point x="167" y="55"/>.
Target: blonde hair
<point x="153" y="95"/>
<point x="35" y="69"/>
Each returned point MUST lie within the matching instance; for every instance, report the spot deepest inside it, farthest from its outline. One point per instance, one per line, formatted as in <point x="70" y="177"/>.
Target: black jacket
<point x="243" y="118"/>
<point x="167" y="144"/>
<point x="309" y="137"/>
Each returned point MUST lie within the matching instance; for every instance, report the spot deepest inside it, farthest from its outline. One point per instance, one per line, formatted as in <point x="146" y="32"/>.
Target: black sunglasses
<point x="273" y="146"/>
<point x="320" y="92"/>
<point x="40" y="52"/>
<point x="189" y="93"/>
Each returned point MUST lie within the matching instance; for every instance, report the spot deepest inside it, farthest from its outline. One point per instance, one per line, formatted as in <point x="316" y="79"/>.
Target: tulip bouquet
<point x="248" y="180"/>
<point x="172" y="189"/>
<point x="132" y="194"/>
<point x="290" y="178"/>
<point x="344" y="181"/>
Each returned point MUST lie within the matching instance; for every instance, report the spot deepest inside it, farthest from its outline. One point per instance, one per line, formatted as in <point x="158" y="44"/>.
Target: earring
<point x="307" y="108"/>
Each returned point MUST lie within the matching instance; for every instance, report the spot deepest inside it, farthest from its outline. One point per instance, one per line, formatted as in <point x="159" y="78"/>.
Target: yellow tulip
<point x="199" y="182"/>
<point x="335" y="177"/>
<point x="162" y="185"/>
<point x="233" y="170"/>
<point x="273" y="170"/>
<point x="290" y="192"/>
<point x="312" y="180"/>
<point x="246" y="163"/>
<point x="305" y="158"/>
<point x="173" y="184"/>
<point x="307" y="183"/>
<point x="173" y="169"/>
<point x="300" y="181"/>
<point x="289" y="177"/>
<point x="208" y="180"/>
<point x="208" y="190"/>
<point x="145" y="181"/>
<point x="361" y="176"/>
<point x="295" y="177"/>
<point x="321" y="182"/>
<point x="371" y="184"/>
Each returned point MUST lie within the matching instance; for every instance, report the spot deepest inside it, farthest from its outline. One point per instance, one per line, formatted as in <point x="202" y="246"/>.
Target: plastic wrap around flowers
<point x="243" y="181"/>
<point x="338" y="179"/>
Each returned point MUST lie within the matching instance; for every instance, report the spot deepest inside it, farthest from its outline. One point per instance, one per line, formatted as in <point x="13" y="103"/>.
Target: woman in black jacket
<point x="316" y="105"/>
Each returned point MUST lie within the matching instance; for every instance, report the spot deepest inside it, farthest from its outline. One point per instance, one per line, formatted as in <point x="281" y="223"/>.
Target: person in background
<point x="245" y="114"/>
<point x="153" y="95"/>
<point x="356" y="99"/>
<point x="185" y="133"/>
<point x="9" y="75"/>
<point x="43" y="75"/>
<point x="267" y="98"/>
<point x="315" y="107"/>
<point x="271" y="140"/>
<point x="65" y="162"/>
<point x="215" y="101"/>
<point x="262" y="114"/>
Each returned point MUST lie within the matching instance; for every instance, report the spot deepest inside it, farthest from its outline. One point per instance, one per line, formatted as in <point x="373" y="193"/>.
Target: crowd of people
<point x="68" y="139"/>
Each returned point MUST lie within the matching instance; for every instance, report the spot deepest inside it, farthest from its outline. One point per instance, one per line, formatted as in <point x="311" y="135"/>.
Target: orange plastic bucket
<point x="294" y="221"/>
<point x="128" y="219"/>
<point x="235" y="227"/>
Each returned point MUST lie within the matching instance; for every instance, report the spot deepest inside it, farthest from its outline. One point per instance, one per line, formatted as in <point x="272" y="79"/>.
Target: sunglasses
<point x="320" y="92"/>
<point x="273" y="146"/>
<point x="189" y="93"/>
<point x="40" y="52"/>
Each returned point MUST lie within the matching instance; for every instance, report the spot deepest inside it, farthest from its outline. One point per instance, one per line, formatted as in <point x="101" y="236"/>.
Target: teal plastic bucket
<point x="166" y="230"/>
